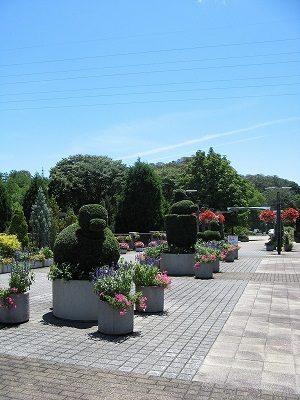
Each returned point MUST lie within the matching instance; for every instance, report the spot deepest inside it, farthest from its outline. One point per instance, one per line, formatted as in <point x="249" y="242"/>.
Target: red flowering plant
<point x="220" y="217"/>
<point x="207" y="216"/>
<point x="290" y="215"/>
<point x="267" y="216"/>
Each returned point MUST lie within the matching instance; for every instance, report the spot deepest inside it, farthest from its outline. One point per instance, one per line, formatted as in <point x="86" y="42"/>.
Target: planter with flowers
<point x="230" y="252"/>
<point x="151" y="283"/>
<point x="48" y="254"/>
<point x="14" y="300"/>
<point x="6" y="264"/>
<point x="116" y="302"/>
<point x="124" y="247"/>
<point x="37" y="260"/>
<point x="271" y="244"/>
<point x="207" y="261"/>
<point x="139" y="246"/>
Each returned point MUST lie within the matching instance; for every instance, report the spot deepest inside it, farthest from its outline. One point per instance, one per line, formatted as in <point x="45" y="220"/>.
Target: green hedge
<point x="184" y="207"/>
<point x="209" y="235"/>
<point x="181" y="230"/>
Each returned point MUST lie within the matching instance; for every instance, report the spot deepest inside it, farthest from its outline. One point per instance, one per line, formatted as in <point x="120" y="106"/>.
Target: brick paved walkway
<point x="163" y="349"/>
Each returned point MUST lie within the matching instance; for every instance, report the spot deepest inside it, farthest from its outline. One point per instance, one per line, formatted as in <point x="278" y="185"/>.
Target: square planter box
<point x="155" y="298"/>
<point x="18" y="314"/>
<point x="110" y="322"/>
<point x="205" y="271"/>
<point x="178" y="264"/>
<point x="48" y="262"/>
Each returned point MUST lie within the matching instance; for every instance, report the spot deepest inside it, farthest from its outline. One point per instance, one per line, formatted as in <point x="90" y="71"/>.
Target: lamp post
<point x="278" y="216"/>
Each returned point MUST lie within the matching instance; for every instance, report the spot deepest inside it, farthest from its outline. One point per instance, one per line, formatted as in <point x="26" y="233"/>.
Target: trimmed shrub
<point x="184" y="207"/>
<point x="179" y="194"/>
<point x="88" y="244"/>
<point x="181" y="230"/>
<point x="217" y="227"/>
<point x="211" y="235"/>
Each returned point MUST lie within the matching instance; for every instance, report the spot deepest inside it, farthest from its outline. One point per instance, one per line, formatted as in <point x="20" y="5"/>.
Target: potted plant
<point x="205" y="259"/>
<point x="116" y="303"/>
<point x="271" y="244"/>
<point x="151" y="283"/>
<point x="37" y="260"/>
<point x="124" y="247"/>
<point x="287" y="242"/>
<point x="14" y="300"/>
<point x="229" y="252"/>
<point x="7" y="264"/>
<point x="48" y="254"/>
<point x="181" y="228"/>
<point x="78" y="250"/>
<point x="139" y="246"/>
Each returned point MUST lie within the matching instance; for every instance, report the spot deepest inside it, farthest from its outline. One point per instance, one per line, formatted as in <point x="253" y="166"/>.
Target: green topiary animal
<point x="87" y="244"/>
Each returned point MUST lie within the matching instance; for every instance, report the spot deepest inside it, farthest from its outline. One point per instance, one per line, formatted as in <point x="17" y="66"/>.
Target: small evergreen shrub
<point x="184" y="207"/>
<point x="19" y="227"/>
<point x="211" y="235"/>
<point x="9" y="244"/>
<point x="181" y="230"/>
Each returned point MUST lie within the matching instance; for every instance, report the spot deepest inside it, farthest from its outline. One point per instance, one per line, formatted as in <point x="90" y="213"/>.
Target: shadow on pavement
<point x="97" y="336"/>
<point x="50" y="319"/>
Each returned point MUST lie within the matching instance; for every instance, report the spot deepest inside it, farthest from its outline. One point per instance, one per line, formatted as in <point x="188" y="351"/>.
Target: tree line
<point x="136" y="197"/>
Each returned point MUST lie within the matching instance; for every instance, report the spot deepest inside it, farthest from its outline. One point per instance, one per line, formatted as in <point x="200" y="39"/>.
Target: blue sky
<point x="152" y="78"/>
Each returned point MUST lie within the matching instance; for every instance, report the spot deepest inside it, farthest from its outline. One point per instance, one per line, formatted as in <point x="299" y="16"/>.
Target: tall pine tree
<point x="40" y="221"/>
<point x="4" y="207"/>
<point x="19" y="227"/>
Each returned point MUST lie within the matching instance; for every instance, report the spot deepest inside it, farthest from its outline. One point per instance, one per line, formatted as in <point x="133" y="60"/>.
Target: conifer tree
<point x="4" y="207"/>
<point x="19" y="226"/>
<point x="40" y="221"/>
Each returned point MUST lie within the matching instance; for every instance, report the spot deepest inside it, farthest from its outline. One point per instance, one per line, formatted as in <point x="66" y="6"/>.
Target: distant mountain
<point x="261" y="182"/>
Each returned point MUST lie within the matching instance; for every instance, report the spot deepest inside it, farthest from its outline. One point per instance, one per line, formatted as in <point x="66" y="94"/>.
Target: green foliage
<point x="9" y="244"/>
<point x="181" y="230"/>
<point x="17" y="183"/>
<point x="184" y="207"/>
<point x="146" y="275"/>
<point x="5" y="210"/>
<point x="31" y="194"/>
<point x="65" y="271"/>
<point x="141" y="207"/>
<point x="217" y="227"/>
<point x="89" y="213"/>
<point x="87" y="245"/>
<point x="40" y="221"/>
<point x="86" y="179"/>
<point x="179" y="195"/>
<point x="154" y="253"/>
<point x="70" y="218"/>
<point x="21" y="278"/>
<point x="18" y="226"/>
<point x="211" y="235"/>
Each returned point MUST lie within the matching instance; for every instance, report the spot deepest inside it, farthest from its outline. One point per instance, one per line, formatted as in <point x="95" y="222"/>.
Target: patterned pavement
<point x="177" y="346"/>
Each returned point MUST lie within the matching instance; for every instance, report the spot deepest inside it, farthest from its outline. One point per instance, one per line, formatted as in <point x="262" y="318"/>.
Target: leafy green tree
<point x="5" y="210"/>
<point x="141" y="206"/>
<point x="31" y="194"/>
<point x="218" y="184"/>
<point x="40" y="221"/>
<point x="19" y="226"/>
<point x="17" y="184"/>
<point x="86" y="179"/>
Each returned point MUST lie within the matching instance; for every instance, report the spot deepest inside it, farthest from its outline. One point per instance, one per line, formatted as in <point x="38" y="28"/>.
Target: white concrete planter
<point x="236" y="254"/>
<point x="6" y="268"/>
<point x="37" y="264"/>
<point x="74" y="300"/>
<point x="18" y="314"/>
<point x="229" y="256"/>
<point x="178" y="264"/>
<point x="110" y="322"/>
<point x="139" y="249"/>
<point x="48" y="262"/>
<point x="155" y="298"/>
<point x="216" y="266"/>
<point x="123" y="251"/>
<point x="205" y="271"/>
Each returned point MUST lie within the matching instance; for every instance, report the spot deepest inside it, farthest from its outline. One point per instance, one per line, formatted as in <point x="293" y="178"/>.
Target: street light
<point x="278" y="215"/>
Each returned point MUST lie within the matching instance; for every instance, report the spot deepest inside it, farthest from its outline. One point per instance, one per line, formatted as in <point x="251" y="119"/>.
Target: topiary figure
<point x="181" y="225"/>
<point x="87" y="244"/>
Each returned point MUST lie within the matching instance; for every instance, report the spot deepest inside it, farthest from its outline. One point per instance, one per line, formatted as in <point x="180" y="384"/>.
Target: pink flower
<point x="143" y="303"/>
<point x="163" y="279"/>
<point x="14" y="290"/>
<point x="197" y="265"/>
<point x="122" y="312"/>
<point x="120" y="297"/>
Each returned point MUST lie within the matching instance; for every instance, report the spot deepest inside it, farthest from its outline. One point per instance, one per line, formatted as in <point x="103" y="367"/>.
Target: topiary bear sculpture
<point x="181" y="225"/>
<point x="87" y="244"/>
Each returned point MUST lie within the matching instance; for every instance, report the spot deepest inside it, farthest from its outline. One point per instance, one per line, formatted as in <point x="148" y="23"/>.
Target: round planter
<point x="110" y="322"/>
<point x="155" y="298"/>
<point x="216" y="266"/>
<point x="139" y="249"/>
<point x="74" y="300"/>
<point x="229" y="256"/>
<point x="123" y="251"/>
<point x="37" y="264"/>
<point x="178" y="264"/>
<point x="48" y="262"/>
<point x="18" y="314"/>
<point x="205" y="271"/>
<point x="236" y="254"/>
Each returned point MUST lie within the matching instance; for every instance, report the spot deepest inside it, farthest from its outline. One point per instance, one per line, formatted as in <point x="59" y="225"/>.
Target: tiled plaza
<point x="235" y="336"/>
